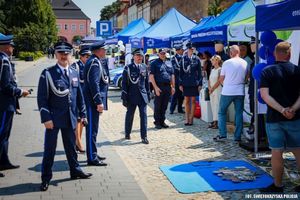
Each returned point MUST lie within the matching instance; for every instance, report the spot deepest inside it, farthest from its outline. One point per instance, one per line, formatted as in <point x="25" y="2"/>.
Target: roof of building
<point x="67" y="9"/>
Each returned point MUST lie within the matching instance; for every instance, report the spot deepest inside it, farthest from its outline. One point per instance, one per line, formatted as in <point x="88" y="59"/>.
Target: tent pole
<point x="255" y="99"/>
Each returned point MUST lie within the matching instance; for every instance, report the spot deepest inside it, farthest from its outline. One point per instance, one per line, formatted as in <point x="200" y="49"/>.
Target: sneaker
<point x="272" y="189"/>
<point x="219" y="138"/>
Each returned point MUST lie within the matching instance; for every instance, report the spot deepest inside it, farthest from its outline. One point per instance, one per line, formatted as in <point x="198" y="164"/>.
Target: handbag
<point x="206" y="94"/>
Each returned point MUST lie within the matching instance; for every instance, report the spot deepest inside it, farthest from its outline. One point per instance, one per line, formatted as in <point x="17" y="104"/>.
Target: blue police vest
<point x="190" y="72"/>
<point x="135" y="84"/>
<point x="60" y="97"/>
<point x="162" y="71"/>
<point x="9" y="90"/>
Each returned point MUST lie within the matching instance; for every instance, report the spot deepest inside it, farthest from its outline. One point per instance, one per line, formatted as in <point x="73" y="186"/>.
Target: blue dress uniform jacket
<point x="79" y="67"/>
<point x="96" y="79"/>
<point x="8" y="98"/>
<point x="177" y="98"/>
<point x="135" y="84"/>
<point x="135" y="92"/>
<point x="59" y="97"/>
<point x="190" y="72"/>
<point x="8" y="86"/>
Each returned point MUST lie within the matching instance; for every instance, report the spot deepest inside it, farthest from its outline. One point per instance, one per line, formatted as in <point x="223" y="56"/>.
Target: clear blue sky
<point x="92" y="8"/>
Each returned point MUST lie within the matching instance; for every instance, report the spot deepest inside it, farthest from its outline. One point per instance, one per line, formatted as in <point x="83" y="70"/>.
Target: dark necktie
<point x="66" y="73"/>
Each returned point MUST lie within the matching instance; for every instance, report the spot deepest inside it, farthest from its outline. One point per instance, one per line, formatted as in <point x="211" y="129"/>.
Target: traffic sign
<point x="103" y="28"/>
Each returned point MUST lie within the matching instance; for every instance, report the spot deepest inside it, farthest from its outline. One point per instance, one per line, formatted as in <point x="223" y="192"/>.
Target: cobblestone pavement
<point x="175" y="145"/>
<point x="113" y="182"/>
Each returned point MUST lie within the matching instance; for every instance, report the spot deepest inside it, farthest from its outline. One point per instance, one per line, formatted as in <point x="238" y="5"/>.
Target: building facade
<point x="143" y="10"/>
<point x="193" y="9"/>
<point x="132" y="11"/>
<point x="70" y="20"/>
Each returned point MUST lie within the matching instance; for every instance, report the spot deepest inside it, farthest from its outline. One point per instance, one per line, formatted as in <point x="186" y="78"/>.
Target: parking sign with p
<point x="103" y="28"/>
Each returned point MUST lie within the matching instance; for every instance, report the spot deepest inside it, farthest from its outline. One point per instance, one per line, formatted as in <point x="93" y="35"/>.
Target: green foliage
<point x="32" y="22"/>
<point x="108" y="11"/>
<point x="215" y="8"/>
<point x="35" y="55"/>
<point x="76" y="38"/>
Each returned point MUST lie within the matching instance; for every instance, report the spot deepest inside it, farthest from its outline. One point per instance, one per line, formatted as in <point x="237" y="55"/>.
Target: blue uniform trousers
<point x="143" y="118"/>
<point x="68" y="137"/>
<point x="91" y="133"/>
<point x="6" y="119"/>
<point x="161" y="103"/>
<point x="177" y="99"/>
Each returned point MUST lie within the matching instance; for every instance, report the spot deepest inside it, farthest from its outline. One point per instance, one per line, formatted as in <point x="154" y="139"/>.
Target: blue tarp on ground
<point x="133" y="28"/>
<point x="199" y="176"/>
<point x="217" y="28"/>
<point x="283" y="15"/>
<point x="158" y="35"/>
<point x="179" y="39"/>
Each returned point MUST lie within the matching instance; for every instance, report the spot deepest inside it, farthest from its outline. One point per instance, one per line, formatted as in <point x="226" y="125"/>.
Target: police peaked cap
<point x="189" y="45"/>
<point x="178" y="47"/>
<point x="138" y="52"/>
<point x="63" y="47"/>
<point x="6" y="39"/>
<point x="98" y="45"/>
<point x="85" y="51"/>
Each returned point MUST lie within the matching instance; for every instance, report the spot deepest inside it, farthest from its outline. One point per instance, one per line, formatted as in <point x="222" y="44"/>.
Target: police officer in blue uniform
<point x="135" y="92"/>
<point x="163" y="81"/>
<point x="84" y="54"/>
<point x="59" y="96"/>
<point x="9" y="92"/>
<point x="177" y="98"/>
<point x="96" y="80"/>
<point x="190" y="81"/>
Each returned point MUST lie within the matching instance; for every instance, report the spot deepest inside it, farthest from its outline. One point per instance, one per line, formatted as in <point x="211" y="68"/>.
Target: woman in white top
<point x="215" y="89"/>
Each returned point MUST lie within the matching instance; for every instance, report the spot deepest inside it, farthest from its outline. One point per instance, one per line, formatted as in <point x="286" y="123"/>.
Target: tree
<point x="76" y="38"/>
<point x="32" y="22"/>
<point x="215" y="8"/>
<point x="108" y="11"/>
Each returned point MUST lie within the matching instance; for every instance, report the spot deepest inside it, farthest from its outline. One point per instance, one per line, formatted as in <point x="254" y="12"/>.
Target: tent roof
<point x="237" y="12"/>
<point x="283" y="15"/>
<point x="134" y="27"/>
<point x="172" y="23"/>
<point x="250" y="20"/>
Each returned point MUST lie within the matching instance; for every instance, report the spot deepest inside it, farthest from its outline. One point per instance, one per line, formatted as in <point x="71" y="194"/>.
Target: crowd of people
<point x="73" y="96"/>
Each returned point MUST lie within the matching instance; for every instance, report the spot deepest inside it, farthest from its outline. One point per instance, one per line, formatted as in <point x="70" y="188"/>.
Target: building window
<point x="81" y="27"/>
<point x="66" y="26"/>
<point x="73" y="27"/>
<point x="58" y="26"/>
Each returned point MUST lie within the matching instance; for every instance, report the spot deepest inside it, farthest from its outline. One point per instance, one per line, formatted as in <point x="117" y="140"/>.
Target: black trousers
<point x="143" y="118"/>
<point x="161" y="103"/>
<point x="6" y="120"/>
<point x="68" y="137"/>
<point x="177" y="99"/>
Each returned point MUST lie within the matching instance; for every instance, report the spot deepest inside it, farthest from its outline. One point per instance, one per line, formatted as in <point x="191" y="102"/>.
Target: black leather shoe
<point x="158" y="126"/>
<point x="81" y="175"/>
<point x="44" y="186"/>
<point x="100" y="158"/>
<point x="97" y="163"/>
<point x="9" y="166"/>
<point x="171" y="112"/>
<point x="145" y="141"/>
<point x="1" y="175"/>
<point x="164" y="125"/>
<point x="181" y="112"/>
<point x="127" y="137"/>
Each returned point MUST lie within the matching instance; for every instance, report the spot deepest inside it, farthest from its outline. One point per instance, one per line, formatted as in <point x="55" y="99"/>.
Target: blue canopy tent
<point x="180" y="38"/>
<point x="284" y="15"/>
<point x="133" y="28"/>
<point x="217" y="28"/>
<point x="158" y="35"/>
